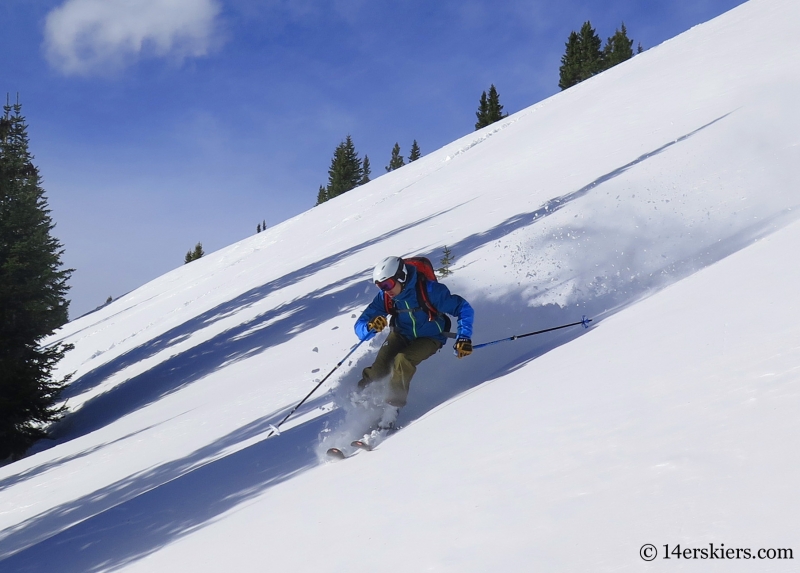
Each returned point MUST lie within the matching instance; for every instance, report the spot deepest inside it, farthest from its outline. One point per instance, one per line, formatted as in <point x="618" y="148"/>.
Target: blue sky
<point x="160" y="123"/>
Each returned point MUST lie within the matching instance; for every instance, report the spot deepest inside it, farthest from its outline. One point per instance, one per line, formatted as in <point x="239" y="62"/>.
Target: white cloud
<point x="95" y="36"/>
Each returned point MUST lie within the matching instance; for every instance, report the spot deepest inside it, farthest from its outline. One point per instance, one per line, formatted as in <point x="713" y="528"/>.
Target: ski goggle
<point x="387" y="284"/>
<point x="399" y="277"/>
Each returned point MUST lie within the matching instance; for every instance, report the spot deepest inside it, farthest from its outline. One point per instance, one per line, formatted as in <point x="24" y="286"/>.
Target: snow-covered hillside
<point x="660" y="198"/>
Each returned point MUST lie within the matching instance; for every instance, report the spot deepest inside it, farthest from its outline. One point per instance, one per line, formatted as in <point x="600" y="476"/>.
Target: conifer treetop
<point x="397" y="161"/>
<point x="415" y="152"/>
<point x="490" y="109"/>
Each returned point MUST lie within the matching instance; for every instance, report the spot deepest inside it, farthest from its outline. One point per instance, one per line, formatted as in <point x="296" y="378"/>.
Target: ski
<point x="368" y="442"/>
<point x="336" y="453"/>
<point x="361" y="445"/>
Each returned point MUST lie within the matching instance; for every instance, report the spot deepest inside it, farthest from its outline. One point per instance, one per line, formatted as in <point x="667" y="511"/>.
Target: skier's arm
<point x="454" y="305"/>
<point x="376" y="308"/>
<point x="465" y="315"/>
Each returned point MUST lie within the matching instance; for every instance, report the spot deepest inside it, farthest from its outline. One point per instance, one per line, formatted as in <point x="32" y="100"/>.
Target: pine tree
<point x="415" y="152"/>
<point x="591" y="53"/>
<point x="396" y="162"/>
<point x="569" y="72"/>
<point x="583" y="57"/>
<point x="197" y="253"/>
<point x="346" y="171"/>
<point x="258" y="228"/>
<point x="322" y="195"/>
<point x="33" y="287"/>
<point x="495" y="109"/>
<point x="489" y="109"/>
<point x="483" y="113"/>
<point x="445" y="261"/>
<point x="618" y="48"/>
<point x="366" y="170"/>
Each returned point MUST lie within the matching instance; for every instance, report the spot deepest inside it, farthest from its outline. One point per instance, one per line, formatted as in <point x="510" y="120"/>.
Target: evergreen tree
<point x="33" y="288"/>
<point x="415" y="152"/>
<point x="446" y="261"/>
<point x="366" y="170"/>
<point x="197" y="253"/>
<point x="591" y="53"/>
<point x="322" y="195"/>
<point x="583" y="57"/>
<point x="569" y="72"/>
<point x="489" y="109"/>
<point x="618" y="48"/>
<point x="396" y="162"/>
<point x="258" y="228"/>
<point x="346" y="171"/>
<point x="483" y="113"/>
<point x="495" y="109"/>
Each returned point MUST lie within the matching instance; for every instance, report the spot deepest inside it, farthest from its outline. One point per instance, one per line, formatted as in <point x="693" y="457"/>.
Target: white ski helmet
<point x="389" y="268"/>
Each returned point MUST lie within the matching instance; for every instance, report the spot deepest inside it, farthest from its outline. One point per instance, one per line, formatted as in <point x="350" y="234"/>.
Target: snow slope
<point x="659" y="198"/>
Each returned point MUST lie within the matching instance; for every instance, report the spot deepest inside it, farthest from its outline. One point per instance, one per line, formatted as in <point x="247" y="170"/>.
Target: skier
<point x="418" y="306"/>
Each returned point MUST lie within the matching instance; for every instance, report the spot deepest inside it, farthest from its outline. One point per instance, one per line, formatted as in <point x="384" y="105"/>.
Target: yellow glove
<point x="463" y="347"/>
<point x="377" y="324"/>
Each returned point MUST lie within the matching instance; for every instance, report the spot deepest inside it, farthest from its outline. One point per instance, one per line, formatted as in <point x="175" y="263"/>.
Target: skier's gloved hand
<point x="378" y="323"/>
<point x="463" y="347"/>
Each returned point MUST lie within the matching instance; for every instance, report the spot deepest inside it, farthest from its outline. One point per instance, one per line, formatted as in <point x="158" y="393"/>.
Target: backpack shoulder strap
<point x="388" y="304"/>
<point x="423" y="299"/>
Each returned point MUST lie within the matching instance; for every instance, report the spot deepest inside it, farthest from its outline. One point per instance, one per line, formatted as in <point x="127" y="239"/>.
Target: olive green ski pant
<point x="399" y="357"/>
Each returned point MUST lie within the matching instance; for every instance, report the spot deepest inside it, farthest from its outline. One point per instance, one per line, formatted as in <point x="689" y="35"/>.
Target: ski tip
<point x="336" y="453"/>
<point x="361" y="444"/>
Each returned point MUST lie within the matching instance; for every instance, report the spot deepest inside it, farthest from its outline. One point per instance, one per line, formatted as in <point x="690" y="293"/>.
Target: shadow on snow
<point x="138" y="515"/>
<point x="229" y="308"/>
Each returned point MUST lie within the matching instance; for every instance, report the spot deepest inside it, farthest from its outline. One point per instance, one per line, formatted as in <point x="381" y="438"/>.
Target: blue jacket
<point x="416" y="324"/>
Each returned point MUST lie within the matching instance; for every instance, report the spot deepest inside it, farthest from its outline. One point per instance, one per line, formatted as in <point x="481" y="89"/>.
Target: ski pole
<point x="276" y="429"/>
<point x="584" y="321"/>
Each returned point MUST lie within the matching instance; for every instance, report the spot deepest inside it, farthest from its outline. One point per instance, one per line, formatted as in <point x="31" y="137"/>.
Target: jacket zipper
<point x="413" y="321"/>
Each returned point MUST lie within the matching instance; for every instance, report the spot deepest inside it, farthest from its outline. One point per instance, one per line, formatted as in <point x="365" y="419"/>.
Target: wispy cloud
<point x="85" y="37"/>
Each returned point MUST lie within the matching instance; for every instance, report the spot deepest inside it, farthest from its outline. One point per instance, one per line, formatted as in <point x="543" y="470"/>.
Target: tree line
<point x="347" y="171"/>
<point x="584" y="57"/>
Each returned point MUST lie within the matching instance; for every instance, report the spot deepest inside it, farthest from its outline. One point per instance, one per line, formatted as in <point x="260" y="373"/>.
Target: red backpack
<point x="425" y="273"/>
